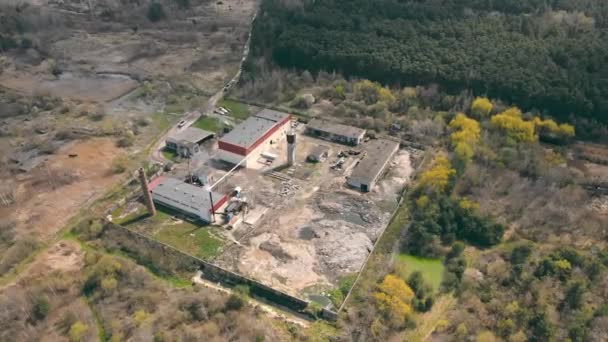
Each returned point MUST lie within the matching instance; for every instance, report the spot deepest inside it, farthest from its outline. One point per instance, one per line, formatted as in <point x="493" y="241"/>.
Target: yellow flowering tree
<point x="393" y="297"/>
<point x="438" y="176"/>
<point x="481" y="107"/>
<point x="465" y="134"/>
<point x="548" y="126"/>
<point x="511" y="122"/>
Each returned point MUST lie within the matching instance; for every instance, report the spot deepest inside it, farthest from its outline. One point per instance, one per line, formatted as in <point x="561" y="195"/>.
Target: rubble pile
<point x="288" y="188"/>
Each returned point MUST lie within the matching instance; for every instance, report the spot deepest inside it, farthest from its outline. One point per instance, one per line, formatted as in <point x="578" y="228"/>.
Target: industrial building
<point x="192" y="201"/>
<point x="249" y="139"/>
<point x="331" y="131"/>
<point x="187" y="142"/>
<point x="367" y="172"/>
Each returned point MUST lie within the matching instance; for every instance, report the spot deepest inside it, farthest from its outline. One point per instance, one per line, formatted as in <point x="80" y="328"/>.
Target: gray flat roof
<point x="335" y="128"/>
<point x="253" y="128"/>
<point x="183" y="196"/>
<point x="378" y="153"/>
<point x="271" y="115"/>
<point x="191" y="135"/>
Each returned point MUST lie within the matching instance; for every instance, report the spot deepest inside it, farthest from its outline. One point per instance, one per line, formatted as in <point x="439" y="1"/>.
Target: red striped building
<point x="251" y="137"/>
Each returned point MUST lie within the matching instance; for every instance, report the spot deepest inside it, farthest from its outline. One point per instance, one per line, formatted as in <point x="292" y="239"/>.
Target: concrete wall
<point x="166" y="260"/>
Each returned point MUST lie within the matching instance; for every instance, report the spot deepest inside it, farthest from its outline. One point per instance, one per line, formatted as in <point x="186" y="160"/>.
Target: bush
<point x="156" y="11"/>
<point x="120" y="164"/>
<point x="234" y="302"/>
<point x="16" y="254"/>
<point x="126" y="140"/>
<point x="66" y="321"/>
<point x="183" y="4"/>
<point x="40" y="308"/>
<point x="77" y="331"/>
<point x="97" y="114"/>
<point x="314" y="309"/>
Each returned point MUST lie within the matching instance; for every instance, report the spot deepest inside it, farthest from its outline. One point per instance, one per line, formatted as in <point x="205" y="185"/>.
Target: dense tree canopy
<point x="545" y="54"/>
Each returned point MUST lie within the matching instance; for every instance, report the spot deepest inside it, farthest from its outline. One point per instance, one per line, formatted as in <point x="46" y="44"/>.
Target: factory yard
<point x="304" y="228"/>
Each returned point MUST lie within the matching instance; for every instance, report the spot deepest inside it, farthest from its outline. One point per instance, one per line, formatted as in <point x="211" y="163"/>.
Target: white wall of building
<point x="277" y="137"/>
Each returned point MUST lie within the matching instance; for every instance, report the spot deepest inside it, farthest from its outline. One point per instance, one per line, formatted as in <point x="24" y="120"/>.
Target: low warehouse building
<point x="370" y="168"/>
<point x="187" y="142"/>
<point x="249" y="139"/>
<point x="331" y="131"/>
<point x="190" y="200"/>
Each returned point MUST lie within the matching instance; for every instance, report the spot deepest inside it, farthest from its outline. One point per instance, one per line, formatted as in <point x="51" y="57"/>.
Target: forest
<point x="549" y="55"/>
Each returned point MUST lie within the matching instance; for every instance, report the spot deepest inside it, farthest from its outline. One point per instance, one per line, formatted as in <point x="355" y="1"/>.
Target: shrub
<point x="126" y="140"/>
<point x="120" y="164"/>
<point x="40" y="308"/>
<point x="183" y="4"/>
<point x="97" y="114"/>
<point x="77" y="331"/>
<point x="156" y="11"/>
<point x="234" y="302"/>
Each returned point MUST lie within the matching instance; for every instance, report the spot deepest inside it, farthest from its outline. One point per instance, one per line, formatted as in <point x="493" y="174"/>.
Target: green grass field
<point x="431" y="269"/>
<point x="190" y="239"/>
<point x="208" y="124"/>
<point x="193" y="238"/>
<point x="238" y="110"/>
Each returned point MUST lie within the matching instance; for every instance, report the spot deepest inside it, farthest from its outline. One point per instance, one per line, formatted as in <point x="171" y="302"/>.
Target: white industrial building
<point x="252" y="137"/>
<point x="368" y="171"/>
<point x="192" y="201"/>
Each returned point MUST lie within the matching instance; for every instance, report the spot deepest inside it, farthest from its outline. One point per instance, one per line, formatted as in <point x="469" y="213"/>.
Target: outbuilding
<point x="335" y="132"/>
<point x="368" y="171"/>
<point x="187" y="142"/>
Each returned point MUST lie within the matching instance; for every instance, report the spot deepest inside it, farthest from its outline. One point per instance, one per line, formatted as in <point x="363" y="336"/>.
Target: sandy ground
<point x="64" y="256"/>
<point x="43" y="205"/>
<point x="316" y="228"/>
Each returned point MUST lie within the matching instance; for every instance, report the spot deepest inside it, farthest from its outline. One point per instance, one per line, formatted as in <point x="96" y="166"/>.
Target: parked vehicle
<point x="181" y="124"/>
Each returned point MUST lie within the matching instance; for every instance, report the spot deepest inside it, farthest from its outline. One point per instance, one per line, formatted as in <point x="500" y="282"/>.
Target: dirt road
<point x="191" y="117"/>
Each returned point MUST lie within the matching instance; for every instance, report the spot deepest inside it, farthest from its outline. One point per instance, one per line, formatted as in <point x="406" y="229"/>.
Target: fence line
<point x="215" y="273"/>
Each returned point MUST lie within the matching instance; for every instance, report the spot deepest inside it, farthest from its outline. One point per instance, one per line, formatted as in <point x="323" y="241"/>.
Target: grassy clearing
<point x="190" y="239"/>
<point x="170" y="155"/>
<point x="238" y="110"/>
<point x="161" y="120"/>
<point x="208" y="124"/>
<point x="194" y="239"/>
<point x="431" y="269"/>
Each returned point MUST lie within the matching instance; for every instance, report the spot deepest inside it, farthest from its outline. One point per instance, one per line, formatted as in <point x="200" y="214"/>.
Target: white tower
<point x="291" y="147"/>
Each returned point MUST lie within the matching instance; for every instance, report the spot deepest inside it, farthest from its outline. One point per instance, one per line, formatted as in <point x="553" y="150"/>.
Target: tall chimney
<point x="291" y="147"/>
<point x="144" y="188"/>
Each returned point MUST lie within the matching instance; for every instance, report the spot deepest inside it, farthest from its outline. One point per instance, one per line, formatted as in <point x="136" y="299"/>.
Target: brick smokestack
<point x="146" y="192"/>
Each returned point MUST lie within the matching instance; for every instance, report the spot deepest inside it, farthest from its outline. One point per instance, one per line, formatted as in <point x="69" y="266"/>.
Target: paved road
<point x="208" y="107"/>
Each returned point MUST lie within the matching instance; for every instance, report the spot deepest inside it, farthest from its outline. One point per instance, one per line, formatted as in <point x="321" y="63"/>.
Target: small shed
<point x="187" y="141"/>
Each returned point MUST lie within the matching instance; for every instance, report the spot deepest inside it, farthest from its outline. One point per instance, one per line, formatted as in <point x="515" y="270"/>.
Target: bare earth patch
<point x="43" y="205"/>
<point x="64" y="257"/>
